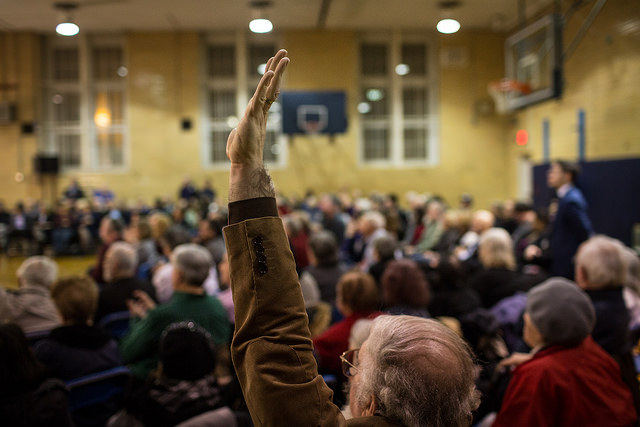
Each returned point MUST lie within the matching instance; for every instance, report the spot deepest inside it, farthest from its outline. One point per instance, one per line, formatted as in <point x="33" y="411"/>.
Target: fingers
<point x="268" y="88"/>
<point x="278" y="65"/>
<point x="144" y="299"/>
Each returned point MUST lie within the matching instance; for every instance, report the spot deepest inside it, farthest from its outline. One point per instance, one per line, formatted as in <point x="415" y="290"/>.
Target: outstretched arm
<point x="271" y="349"/>
<point x="248" y="178"/>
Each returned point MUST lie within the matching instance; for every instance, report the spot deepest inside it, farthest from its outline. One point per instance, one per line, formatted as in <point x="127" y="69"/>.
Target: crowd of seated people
<point x="434" y="261"/>
<point x="477" y="270"/>
<point x="71" y="225"/>
<point x="59" y="321"/>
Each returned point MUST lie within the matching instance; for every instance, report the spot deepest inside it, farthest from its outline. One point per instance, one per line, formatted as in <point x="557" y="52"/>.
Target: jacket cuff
<point x="260" y="207"/>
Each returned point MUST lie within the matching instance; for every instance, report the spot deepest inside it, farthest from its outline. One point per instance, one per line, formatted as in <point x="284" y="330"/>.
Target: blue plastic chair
<point x="116" y="323"/>
<point x="97" y="388"/>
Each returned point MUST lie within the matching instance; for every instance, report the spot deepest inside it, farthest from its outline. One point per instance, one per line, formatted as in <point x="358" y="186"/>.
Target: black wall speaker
<point x="46" y="165"/>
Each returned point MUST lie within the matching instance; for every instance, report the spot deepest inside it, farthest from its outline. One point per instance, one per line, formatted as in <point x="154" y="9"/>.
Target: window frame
<point x="395" y="84"/>
<point x="86" y="87"/>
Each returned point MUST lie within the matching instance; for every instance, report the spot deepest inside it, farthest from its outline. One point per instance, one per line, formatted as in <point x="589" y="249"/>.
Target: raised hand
<point x="245" y="145"/>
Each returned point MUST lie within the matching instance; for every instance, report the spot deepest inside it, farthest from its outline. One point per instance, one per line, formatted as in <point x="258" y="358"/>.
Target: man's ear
<point x="582" y="277"/>
<point x="370" y="410"/>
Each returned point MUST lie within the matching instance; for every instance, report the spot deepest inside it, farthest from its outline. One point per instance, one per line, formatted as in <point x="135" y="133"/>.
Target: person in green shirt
<point x="139" y="347"/>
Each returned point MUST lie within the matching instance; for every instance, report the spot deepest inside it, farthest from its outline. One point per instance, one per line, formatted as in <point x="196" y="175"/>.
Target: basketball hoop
<point x="503" y="90"/>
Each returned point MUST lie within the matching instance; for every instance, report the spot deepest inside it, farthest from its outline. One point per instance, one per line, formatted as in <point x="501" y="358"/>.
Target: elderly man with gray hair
<point x="189" y="302"/>
<point x="119" y="271"/>
<point x="411" y="372"/>
<point x="31" y="305"/>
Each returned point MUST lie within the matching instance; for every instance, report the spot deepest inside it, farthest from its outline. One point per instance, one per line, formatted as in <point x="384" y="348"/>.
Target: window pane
<point x="110" y="149"/>
<point x="106" y="61"/>
<point x="377" y="99"/>
<point x="65" y="65"/>
<point x="415" y="56"/>
<point x="414" y="101"/>
<point x="68" y="150"/>
<point x="222" y="104"/>
<point x="66" y="108"/>
<point x="415" y="143"/>
<point x="373" y="58"/>
<point x="219" y="146"/>
<point x="258" y="54"/>
<point x="222" y="61"/>
<point x="376" y="144"/>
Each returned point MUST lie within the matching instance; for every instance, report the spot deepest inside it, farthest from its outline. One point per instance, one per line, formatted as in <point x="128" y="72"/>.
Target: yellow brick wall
<point x="20" y="84"/>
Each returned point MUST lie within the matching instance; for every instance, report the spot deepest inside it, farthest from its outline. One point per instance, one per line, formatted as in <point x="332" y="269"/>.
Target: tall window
<point x="397" y="102"/>
<point x="85" y="103"/>
<point x="233" y="68"/>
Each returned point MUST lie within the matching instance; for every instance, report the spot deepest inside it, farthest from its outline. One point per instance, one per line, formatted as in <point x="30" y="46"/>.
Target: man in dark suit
<point x="571" y="225"/>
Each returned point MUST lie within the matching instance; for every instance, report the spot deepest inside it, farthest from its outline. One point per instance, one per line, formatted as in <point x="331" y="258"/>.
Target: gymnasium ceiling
<point x="210" y="15"/>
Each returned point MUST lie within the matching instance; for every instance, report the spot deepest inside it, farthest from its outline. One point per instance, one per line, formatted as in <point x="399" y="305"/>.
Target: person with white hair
<point x="31" y="306"/>
<point x="498" y="278"/>
<point x="189" y="302"/>
<point x="120" y="264"/>
<point x="371" y="226"/>
<point x="411" y="372"/>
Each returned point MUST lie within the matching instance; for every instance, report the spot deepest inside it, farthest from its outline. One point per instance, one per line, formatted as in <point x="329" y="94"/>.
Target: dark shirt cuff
<point x="252" y="208"/>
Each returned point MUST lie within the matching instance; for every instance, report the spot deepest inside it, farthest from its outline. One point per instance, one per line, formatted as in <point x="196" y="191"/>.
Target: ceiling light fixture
<point x="67" y="27"/>
<point x="448" y="24"/>
<point x="260" y="24"/>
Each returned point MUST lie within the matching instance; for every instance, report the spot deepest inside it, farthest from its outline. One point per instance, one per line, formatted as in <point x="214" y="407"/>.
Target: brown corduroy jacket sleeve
<point x="271" y="349"/>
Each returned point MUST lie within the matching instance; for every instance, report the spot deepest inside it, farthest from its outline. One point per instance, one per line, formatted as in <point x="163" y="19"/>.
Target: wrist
<point x="249" y="182"/>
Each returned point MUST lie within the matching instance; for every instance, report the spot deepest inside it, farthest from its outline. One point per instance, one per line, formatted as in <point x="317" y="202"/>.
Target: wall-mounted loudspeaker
<point x="46" y="165"/>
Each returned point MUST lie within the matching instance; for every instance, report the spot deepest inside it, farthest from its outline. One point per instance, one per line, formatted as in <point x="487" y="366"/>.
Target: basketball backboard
<point x="533" y="58"/>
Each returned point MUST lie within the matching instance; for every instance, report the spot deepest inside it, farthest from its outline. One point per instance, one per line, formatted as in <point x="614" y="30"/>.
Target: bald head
<point x="481" y="221"/>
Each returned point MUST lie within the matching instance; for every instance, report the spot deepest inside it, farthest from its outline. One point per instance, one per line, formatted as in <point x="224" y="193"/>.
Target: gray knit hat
<point x="562" y="312"/>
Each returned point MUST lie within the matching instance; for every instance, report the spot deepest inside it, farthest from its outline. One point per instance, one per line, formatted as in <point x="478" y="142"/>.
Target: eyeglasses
<point x="349" y="359"/>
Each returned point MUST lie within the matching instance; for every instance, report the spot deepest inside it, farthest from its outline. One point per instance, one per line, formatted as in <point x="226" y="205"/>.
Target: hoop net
<point x="504" y="90"/>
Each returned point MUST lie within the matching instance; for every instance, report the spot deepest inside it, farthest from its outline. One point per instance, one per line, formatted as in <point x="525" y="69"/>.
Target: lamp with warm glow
<point x="448" y="26"/>
<point x="102" y="115"/>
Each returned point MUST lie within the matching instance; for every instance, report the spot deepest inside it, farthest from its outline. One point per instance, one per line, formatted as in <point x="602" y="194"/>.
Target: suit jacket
<point x="571" y="226"/>
<point x="271" y="348"/>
